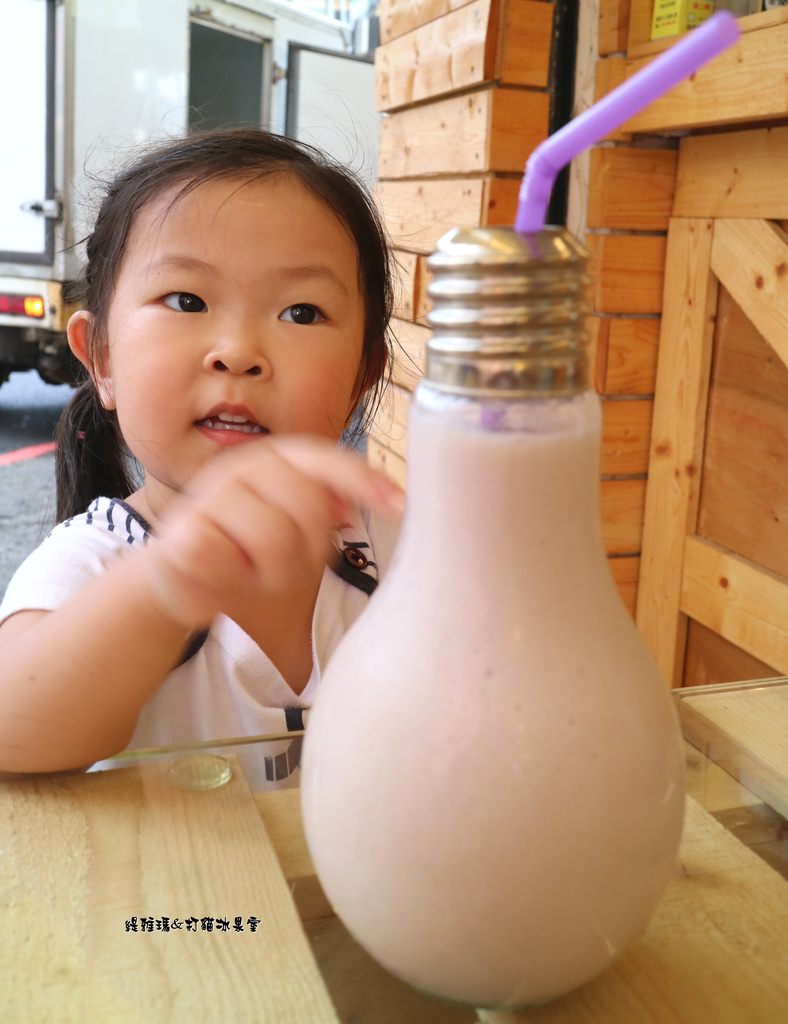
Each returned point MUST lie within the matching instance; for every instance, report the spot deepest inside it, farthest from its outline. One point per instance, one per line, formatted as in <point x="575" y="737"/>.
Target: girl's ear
<point x="79" y="330"/>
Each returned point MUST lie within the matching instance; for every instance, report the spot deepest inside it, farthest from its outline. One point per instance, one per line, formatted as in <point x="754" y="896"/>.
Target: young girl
<point x="236" y="312"/>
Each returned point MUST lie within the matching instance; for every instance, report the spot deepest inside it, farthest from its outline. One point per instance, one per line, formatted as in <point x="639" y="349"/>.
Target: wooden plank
<point x="83" y="854"/>
<point x="388" y="462"/>
<point x="744" y="495"/>
<point x="400" y="16"/>
<point x="746" y="83"/>
<point x="626" y="430"/>
<point x="614" y="18"/>
<point x="746" y="732"/>
<point x="442" y="56"/>
<point x="409" y="352"/>
<point x="417" y="213"/>
<point x="639" y="27"/>
<point x="465" y="49"/>
<point x="739" y="600"/>
<point x="626" y="573"/>
<point x="632" y="347"/>
<point x="586" y="59"/>
<point x="713" y="951"/>
<point x="733" y="174"/>
<point x="404" y="273"/>
<point x="677" y="438"/>
<point x="750" y="257"/>
<point x="526" y="41"/>
<point x="421" y="299"/>
<point x="490" y="129"/>
<point x="610" y="73"/>
<point x="712" y="659"/>
<point x="644" y="46"/>
<point x="631" y="189"/>
<point x="622" y="506"/>
<point x="628" y="272"/>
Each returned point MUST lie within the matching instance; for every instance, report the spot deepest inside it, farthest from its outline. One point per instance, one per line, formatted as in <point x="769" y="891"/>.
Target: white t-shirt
<point x="228" y="687"/>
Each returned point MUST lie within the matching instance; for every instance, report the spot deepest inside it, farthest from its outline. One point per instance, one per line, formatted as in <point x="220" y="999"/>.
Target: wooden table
<point x="136" y="895"/>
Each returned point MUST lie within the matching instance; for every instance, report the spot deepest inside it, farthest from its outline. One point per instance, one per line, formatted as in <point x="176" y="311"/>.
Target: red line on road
<point x="31" y="452"/>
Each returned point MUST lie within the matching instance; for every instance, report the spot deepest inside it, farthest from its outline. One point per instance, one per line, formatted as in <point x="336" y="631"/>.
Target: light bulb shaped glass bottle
<point x="492" y="779"/>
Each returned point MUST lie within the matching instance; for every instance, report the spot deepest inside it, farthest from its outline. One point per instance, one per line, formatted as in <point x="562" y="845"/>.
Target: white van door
<point x="27" y="206"/>
<point x="331" y="105"/>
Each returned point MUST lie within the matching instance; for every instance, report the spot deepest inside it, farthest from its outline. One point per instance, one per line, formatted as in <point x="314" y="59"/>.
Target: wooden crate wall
<point x="621" y="199"/>
<point x="626" y="191"/>
<point x="464" y="91"/>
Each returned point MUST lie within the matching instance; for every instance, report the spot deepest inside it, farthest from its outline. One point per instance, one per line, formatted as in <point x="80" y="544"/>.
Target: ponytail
<point x="90" y="459"/>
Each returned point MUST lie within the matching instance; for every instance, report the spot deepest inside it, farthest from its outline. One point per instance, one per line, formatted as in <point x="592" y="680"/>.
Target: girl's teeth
<point x="235" y="424"/>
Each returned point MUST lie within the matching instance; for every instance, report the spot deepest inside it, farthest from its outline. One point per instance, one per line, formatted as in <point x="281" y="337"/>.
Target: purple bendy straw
<point x="667" y="70"/>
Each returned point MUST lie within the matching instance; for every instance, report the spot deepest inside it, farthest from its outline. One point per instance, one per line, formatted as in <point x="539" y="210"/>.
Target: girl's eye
<point x="302" y="313"/>
<point x="185" y="302"/>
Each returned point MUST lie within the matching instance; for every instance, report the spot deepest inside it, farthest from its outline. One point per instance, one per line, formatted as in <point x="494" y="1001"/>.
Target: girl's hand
<point x="255" y="516"/>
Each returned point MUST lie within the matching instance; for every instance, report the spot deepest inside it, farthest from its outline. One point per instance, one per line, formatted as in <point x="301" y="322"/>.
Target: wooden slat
<point x="631" y="364"/>
<point x="626" y="429"/>
<point x="409" y="352"/>
<point x="737" y="599"/>
<point x="440" y="57"/>
<point x="418" y="212"/>
<point x="677" y="438"/>
<point x="746" y="83"/>
<point x="626" y="572"/>
<point x="712" y="659"/>
<point x="631" y="188"/>
<point x="744" y="497"/>
<point x="733" y="174"/>
<point x="526" y="37"/>
<point x="614" y="18"/>
<point x="486" y="130"/>
<point x="750" y="257"/>
<point x="83" y="854"/>
<point x="622" y="504"/>
<point x="400" y="16"/>
<point x="462" y="50"/>
<point x="610" y="73"/>
<point x="405" y="269"/>
<point x="629" y="273"/>
<point x="747" y="734"/>
<point x="647" y="47"/>
<point x="639" y="25"/>
<point x="586" y="60"/>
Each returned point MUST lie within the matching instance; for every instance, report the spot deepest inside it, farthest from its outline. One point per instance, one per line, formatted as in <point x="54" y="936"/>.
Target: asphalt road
<point x="29" y="410"/>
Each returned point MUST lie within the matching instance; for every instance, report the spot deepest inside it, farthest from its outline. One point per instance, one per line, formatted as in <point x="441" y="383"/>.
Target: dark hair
<point x="91" y="457"/>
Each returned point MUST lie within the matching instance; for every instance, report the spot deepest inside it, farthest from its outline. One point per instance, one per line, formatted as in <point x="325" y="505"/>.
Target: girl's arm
<point x="73" y="681"/>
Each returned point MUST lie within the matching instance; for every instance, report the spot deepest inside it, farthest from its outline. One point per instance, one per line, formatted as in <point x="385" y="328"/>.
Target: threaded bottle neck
<point x="508" y="313"/>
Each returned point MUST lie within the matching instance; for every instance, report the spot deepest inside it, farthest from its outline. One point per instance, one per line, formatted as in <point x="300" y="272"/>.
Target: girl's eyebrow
<point x="183" y="262"/>
<point x="178" y="262"/>
<point x="315" y="270"/>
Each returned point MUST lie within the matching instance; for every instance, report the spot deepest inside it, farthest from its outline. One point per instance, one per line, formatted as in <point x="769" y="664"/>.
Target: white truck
<point x="84" y="82"/>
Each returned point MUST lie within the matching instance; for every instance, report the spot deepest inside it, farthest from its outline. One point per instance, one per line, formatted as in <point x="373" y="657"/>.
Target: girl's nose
<point x="237" y="359"/>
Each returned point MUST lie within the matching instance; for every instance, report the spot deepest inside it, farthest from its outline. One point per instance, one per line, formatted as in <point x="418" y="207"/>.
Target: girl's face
<point x="237" y="312"/>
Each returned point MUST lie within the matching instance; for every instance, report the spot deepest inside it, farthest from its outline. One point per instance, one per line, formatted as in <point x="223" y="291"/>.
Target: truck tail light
<point x="22" y="305"/>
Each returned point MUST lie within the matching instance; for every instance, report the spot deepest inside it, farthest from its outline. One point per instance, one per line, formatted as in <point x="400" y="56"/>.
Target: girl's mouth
<point x="230" y="421"/>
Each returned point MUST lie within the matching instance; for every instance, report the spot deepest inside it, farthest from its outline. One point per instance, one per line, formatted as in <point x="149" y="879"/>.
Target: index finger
<point x="341" y="472"/>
